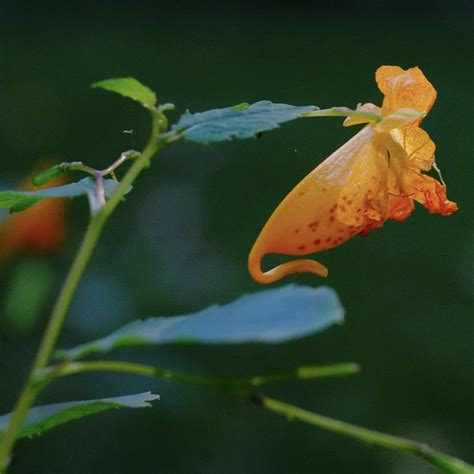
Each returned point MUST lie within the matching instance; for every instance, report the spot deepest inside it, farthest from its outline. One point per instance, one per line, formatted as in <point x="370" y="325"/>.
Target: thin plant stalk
<point x="300" y="373"/>
<point x="96" y="224"/>
<point x="443" y="461"/>
<point x="240" y="387"/>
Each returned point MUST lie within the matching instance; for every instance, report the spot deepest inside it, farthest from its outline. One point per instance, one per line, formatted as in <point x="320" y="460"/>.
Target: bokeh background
<point x="180" y="241"/>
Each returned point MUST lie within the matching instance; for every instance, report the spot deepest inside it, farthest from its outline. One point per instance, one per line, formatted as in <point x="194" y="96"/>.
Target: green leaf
<point x="129" y="87"/>
<point x="42" y="418"/>
<point x="269" y="316"/>
<point x="239" y="121"/>
<point x="20" y="200"/>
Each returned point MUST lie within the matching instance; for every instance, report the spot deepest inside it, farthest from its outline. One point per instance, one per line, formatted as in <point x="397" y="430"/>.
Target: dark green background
<point x="180" y="241"/>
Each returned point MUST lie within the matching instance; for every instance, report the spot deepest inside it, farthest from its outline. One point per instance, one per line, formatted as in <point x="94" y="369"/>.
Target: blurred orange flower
<point x="40" y="229"/>
<point x="375" y="176"/>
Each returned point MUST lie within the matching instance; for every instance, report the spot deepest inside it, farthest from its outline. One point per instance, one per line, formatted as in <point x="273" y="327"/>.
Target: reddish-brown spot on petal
<point x="332" y="219"/>
<point x="297" y="231"/>
<point x="328" y="239"/>
<point x="317" y="242"/>
<point x="342" y="208"/>
<point x="301" y="247"/>
<point x="350" y="201"/>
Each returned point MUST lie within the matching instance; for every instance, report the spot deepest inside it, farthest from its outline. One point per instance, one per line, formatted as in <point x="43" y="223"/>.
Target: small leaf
<point x="269" y="316"/>
<point x="239" y="121"/>
<point x="129" y="87"/>
<point x="20" y="200"/>
<point x="48" y="175"/>
<point x="42" y="418"/>
<point x="23" y="205"/>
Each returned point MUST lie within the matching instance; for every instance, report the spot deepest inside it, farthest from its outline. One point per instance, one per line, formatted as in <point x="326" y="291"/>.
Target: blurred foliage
<point x="180" y="240"/>
<point x="28" y="290"/>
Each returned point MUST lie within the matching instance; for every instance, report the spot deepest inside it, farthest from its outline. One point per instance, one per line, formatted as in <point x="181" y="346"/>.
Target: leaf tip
<point x="128" y="87"/>
<point x="150" y="397"/>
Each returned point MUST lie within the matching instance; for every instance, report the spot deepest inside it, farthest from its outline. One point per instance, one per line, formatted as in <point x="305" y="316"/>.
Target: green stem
<point x="300" y="373"/>
<point x="443" y="461"/>
<point x="58" y="315"/>
<point x="79" y="166"/>
<point x="240" y="387"/>
<point x="344" y="112"/>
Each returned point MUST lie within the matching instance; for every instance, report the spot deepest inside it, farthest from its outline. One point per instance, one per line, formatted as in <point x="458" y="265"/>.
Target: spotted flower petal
<point x="331" y="205"/>
<point x="412" y="151"/>
<point x="404" y="89"/>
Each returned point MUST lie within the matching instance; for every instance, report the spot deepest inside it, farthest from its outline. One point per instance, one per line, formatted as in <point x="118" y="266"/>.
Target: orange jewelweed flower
<point x="377" y="175"/>
<point x="40" y="229"/>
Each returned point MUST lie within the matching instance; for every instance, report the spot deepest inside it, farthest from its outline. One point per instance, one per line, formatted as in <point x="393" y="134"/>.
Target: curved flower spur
<point x="377" y="175"/>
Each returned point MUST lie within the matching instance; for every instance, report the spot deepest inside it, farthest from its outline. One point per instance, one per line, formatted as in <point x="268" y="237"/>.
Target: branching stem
<point x="80" y="166"/>
<point x="241" y="388"/>
<point x="96" y="224"/>
<point x="300" y="373"/>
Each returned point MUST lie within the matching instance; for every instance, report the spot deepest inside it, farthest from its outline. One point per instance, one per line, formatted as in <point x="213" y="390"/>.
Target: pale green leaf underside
<point x="42" y="418"/>
<point x="240" y="121"/>
<point x="21" y="200"/>
<point x="129" y="87"/>
<point x="269" y="316"/>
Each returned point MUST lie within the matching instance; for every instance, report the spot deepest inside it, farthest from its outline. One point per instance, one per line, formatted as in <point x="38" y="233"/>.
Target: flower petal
<point x="363" y="196"/>
<point x="412" y="151"/>
<point x="328" y="207"/>
<point x="431" y="193"/>
<point x="401" y="118"/>
<point x="400" y="205"/>
<point x="404" y="89"/>
<point x="418" y="146"/>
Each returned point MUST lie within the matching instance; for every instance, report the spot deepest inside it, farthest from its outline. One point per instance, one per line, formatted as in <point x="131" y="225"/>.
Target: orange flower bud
<point x="41" y="229"/>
